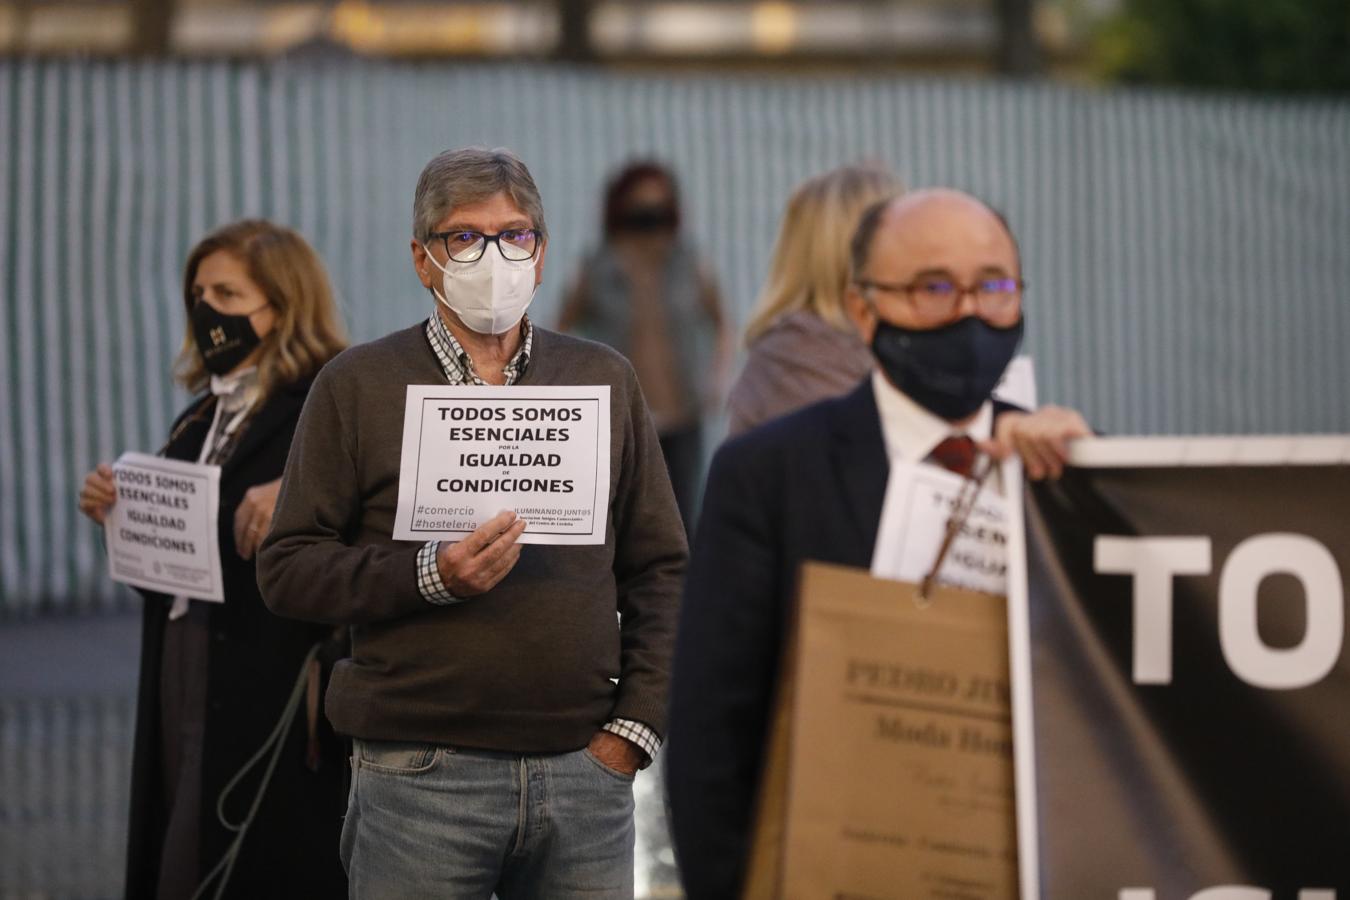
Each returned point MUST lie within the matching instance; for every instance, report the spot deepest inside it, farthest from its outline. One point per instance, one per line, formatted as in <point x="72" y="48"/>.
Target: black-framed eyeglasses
<point x="937" y="298"/>
<point x="515" y="244"/>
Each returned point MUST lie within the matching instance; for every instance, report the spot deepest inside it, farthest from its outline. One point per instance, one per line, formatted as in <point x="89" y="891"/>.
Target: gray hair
<point x="455" y="178"/>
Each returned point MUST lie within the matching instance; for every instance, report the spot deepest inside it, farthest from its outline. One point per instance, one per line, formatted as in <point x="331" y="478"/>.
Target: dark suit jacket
<point x="808" y="486"/>
<point x="292" y="847"/>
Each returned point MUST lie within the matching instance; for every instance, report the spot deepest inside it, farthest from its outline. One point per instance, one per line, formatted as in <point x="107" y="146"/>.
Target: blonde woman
<point x="801" y="348"/>
<point x="216" y="677"/>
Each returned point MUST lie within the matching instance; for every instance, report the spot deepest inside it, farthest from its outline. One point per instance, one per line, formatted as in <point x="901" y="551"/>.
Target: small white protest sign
<point x="471" y="451"/>
<point x="1018" y="385"/>
<point x="161" y="532"/>
<point x="919" y="501"/>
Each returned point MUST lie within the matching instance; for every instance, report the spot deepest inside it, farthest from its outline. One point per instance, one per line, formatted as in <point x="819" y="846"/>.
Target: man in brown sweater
<point x="500" y="696"/>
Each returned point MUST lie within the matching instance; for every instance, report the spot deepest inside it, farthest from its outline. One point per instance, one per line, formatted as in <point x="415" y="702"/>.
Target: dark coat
<point x="808" y="486"/>
<point x="292" y="847"/>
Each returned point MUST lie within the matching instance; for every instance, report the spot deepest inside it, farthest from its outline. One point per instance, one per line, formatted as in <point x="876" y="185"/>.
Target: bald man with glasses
<point x="937" y="295"/>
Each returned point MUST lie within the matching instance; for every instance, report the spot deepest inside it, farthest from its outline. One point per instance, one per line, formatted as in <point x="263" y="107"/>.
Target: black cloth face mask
<point x="949" y="371"/>
<point x="646" y="219"/>
<point x="224" y="341"/>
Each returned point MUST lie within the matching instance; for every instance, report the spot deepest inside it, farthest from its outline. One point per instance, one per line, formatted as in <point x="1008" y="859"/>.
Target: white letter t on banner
<point x="1153" y="561"/>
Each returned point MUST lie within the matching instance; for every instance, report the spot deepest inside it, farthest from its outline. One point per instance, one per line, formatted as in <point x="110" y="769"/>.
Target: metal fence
<point x="1189" y="256"/>
<point x="65" y="772"/>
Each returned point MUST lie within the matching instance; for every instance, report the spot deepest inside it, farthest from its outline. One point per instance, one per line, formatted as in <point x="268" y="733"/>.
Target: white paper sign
<point x="919" y="501"/>
<point x="1018" y="385"/>
<point x="161" y="532"/>
<point x="470" y="452"/>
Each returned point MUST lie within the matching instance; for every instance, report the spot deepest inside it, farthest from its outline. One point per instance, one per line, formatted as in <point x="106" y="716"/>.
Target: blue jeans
<point x="440" y="822"/>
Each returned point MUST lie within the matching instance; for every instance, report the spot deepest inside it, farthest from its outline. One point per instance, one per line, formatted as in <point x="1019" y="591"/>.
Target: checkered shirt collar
<point x="455" y="360"/>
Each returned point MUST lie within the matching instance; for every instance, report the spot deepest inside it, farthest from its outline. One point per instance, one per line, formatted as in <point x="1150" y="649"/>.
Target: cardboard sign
<point x="890" y="768"/>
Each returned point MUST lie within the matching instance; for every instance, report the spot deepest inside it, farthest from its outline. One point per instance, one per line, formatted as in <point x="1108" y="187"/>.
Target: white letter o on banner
<point x="1250" y="563"/>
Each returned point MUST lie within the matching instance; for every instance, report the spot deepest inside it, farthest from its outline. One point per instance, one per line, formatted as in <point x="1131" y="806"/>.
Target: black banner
<point x="1191" y="681"/>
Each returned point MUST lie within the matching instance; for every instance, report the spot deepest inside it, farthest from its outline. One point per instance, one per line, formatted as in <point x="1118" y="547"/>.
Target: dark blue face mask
<point x="949" y="371"/>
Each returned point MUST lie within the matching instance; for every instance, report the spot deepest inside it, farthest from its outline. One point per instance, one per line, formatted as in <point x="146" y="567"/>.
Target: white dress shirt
<point x="911" y="432"/>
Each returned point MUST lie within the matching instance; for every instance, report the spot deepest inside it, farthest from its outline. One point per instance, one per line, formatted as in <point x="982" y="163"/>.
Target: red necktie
<point x="956" y="454"/>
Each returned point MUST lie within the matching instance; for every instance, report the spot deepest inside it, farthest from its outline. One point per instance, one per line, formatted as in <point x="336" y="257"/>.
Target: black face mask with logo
<point x="949" y="371"/>
<point x="224" y="341"/>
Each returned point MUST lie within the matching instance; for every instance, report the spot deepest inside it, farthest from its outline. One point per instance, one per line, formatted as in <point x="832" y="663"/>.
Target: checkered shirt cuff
<point x="429" y="581"/>
<point x="639" y="734"/>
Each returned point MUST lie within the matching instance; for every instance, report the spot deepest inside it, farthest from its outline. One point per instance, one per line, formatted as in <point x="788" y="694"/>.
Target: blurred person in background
<point x="215" y="677"/>
<point x="801" y="345"/>
<point x="645" y="292"/>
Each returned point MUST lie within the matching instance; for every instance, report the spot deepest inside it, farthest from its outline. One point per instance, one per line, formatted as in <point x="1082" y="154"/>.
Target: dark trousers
<point x="683" y="450"/>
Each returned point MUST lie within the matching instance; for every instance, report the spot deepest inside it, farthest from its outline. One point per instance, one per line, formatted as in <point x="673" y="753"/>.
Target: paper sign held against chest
<point x="161" y="532"/>
<point x="919" y="501"/>
<point x="470" y="452"/>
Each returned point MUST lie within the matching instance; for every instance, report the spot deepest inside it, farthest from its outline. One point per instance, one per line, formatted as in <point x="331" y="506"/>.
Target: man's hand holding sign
<point x="1040" y="438"/>
<point x="474" y="565"/>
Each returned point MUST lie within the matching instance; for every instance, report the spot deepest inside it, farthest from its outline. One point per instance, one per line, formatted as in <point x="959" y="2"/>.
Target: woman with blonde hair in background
<point x="801" y="348"/>
<point x="217" y="678"/>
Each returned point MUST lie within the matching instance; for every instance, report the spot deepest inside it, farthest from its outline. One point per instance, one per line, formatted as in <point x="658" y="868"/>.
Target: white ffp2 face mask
<point x="490" y="294"/>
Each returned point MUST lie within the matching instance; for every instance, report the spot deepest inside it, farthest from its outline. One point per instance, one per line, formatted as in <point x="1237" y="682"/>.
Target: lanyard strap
<point x="965" y="504"/>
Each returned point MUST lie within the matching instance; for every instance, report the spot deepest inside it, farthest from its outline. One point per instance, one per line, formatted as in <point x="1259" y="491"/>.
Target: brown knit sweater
<point x="526" y="667"/>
